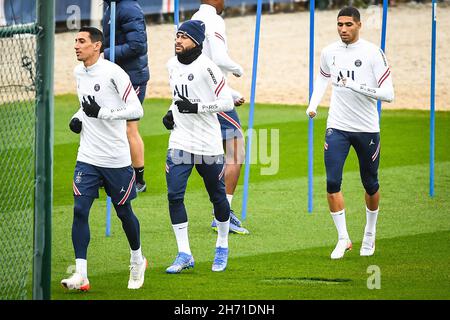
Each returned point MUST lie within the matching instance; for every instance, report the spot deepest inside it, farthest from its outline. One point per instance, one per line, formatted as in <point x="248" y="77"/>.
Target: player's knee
<point x="371" y="188"/>
<point x="218" y="198"/>
<point x="176" y="206"/>
<point x="124" y="210"/>
<point x="80" y="212"/>
<point x="174" y="198"/>
<point x="229" y="157"/>
<point x="216" y="191"/>
<point x="333" y="185"/>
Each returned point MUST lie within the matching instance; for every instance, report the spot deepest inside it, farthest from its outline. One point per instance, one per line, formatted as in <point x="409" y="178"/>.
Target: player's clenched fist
<point x="75" y="125"/>
<point x="310" y="112"/>
<point x="90" y="107"/>
<point x="168" y="120"/>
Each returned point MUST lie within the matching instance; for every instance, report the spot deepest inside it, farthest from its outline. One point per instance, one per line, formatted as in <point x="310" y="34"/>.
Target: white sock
<point x="181" y="234"/>
<point x="339" y="222"/>
<point x="371" y="222"/>
<point x="136" y="256"/>
<point x="222" y="233"/>
<point x="81" y="267"/>
<point x="230" y="198"/>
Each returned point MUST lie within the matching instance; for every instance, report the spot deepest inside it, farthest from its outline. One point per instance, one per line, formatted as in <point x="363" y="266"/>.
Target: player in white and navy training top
<point x="199" y="92"/>
<point x="107" y="99"/>
<point x="360" y="75"/>
<point x="215" y="48"/>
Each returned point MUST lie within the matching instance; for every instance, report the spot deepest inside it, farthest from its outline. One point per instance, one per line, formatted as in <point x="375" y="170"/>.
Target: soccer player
<point x="199" y="93"/>
<point x="131" y="56"/>
<point x="360" y="76"/>
<point x="107" y="100"/>
<point x="215" y="48"/>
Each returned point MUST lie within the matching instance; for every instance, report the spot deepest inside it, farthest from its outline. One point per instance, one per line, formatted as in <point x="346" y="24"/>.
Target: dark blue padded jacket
<point x="131" y="39"/>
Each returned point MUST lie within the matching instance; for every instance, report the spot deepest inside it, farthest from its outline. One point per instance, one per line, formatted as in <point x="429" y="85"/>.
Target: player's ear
<point x="98" y="46"/>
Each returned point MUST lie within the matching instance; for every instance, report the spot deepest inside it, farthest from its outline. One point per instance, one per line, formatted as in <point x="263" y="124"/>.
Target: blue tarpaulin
<point x="65" y="8"/>
<point x="24" y="11"/>
<point x="19" y="11"/>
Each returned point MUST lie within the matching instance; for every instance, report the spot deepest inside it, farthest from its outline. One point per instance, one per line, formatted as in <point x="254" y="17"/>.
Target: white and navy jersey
<point x="366" y="64"/>
<point x="103" y="140"/>
<point x="215" y="45"/>
<point x="203" y="83"/>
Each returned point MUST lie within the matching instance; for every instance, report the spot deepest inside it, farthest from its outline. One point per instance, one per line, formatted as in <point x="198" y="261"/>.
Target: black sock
<point x="139" y="175"/>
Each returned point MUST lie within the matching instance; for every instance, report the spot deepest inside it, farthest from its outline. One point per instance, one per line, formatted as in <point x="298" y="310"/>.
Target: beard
<point x="187" y="56"/>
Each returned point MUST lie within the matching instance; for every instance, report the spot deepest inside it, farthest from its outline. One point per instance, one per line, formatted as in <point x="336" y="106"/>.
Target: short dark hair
<point x="94" y="34"/>
<point x="350" y="12"/>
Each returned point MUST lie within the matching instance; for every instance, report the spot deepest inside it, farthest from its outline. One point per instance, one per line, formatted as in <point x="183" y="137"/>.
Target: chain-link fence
<point x="17" y="158"/>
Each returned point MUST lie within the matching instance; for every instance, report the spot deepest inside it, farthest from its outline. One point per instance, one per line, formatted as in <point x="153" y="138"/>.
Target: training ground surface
<point x="286" y="256"/>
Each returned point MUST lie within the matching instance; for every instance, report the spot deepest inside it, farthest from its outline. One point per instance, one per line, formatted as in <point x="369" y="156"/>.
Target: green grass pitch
<point x="286" y="256"/>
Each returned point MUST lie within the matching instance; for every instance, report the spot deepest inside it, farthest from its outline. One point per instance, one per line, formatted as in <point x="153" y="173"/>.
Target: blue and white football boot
<point x="220" y="259"/>
<point x="235" y="225"/>
<point x="182" y="261"/>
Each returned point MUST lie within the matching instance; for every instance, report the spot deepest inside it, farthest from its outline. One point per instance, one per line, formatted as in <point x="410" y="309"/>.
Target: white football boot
<point x="137" y="273"/>
<point x="368" y="245"/>
<point x="76" y="282"/>
<point x="342" y="247"/>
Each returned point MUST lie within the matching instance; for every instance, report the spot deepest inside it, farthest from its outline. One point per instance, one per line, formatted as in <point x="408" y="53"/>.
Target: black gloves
<point x="91" y="108"/>
<point x="75" y="125"/>
<point x="168" y="120"/>
<point x="185" y="106"/>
